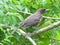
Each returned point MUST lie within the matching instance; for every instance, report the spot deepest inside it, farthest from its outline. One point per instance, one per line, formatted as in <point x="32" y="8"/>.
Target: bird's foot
<point x="36" y="28"/>
<point x="28" y="34"/>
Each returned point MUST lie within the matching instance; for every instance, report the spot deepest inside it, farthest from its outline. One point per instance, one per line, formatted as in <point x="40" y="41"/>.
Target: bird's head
<point x="42" y="11"/>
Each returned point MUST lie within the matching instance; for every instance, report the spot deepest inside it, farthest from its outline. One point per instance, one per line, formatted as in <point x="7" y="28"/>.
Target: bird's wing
<point x="30" y="21"/>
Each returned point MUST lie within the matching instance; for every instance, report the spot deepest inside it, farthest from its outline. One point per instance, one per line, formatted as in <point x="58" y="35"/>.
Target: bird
<point x="33" y="19"/>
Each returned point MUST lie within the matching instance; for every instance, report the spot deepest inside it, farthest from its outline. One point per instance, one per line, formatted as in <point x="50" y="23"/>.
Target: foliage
<point x="10" y="16"/>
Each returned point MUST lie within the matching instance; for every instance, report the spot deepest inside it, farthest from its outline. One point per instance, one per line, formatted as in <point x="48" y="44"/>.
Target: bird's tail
<point x="16" y="29"/>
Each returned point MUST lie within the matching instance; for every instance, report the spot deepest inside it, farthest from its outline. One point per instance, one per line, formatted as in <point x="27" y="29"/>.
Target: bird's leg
<point x="28" y="34"/>
<point x="36" y="28"/>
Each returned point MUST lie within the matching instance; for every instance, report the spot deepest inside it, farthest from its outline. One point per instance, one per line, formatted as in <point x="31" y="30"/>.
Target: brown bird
<point x="33" y="19"/>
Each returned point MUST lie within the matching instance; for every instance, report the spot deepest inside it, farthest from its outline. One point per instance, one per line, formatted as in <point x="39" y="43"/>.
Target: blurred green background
<point x="10" y="16"/>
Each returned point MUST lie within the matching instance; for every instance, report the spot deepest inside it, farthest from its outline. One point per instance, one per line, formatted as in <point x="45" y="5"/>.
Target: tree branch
<point x="46" y="28"/>
<point x="51" y="18"/>
<point x="27" y="36"/>
<point x="43" y="37"/>
<point x="5" y="26"/>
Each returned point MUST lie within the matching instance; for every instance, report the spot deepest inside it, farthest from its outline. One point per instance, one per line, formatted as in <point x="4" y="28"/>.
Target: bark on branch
<point x="27" y="36"/>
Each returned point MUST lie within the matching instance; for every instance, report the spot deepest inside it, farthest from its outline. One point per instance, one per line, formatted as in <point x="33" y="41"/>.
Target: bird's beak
<point x="47" y="10"/>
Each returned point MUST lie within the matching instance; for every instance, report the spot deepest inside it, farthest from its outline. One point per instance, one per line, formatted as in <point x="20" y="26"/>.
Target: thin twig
<point x="51" y="18"/>
<point x="5" y="26"/>
<point x="23" y="12"/>
<point x="43" y="37"/>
